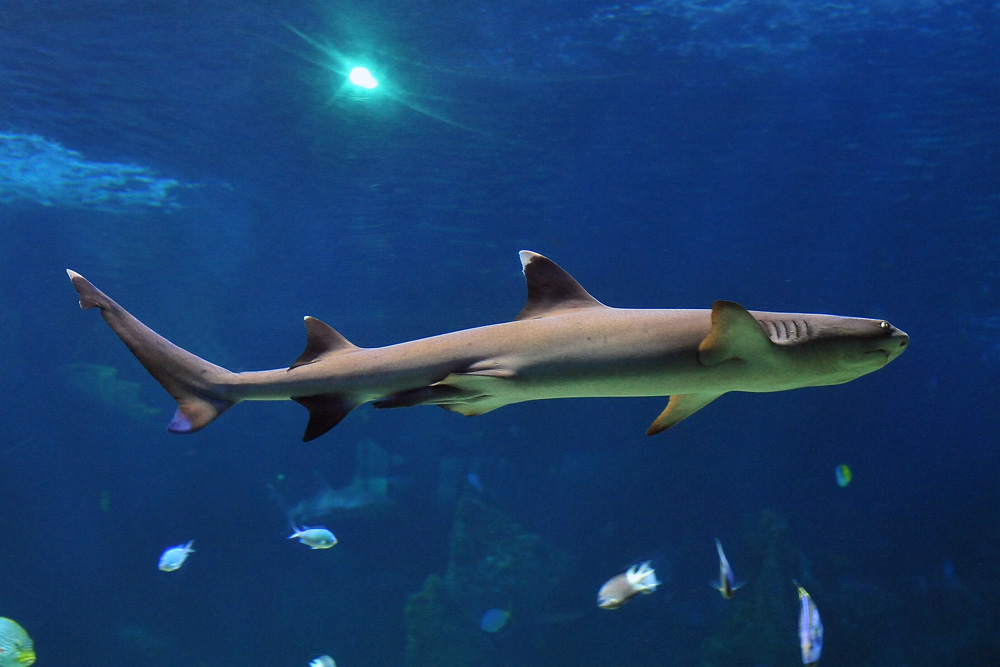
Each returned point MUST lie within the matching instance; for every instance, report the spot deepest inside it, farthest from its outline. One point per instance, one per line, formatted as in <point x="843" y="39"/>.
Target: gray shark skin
<point x="563" y="344"/>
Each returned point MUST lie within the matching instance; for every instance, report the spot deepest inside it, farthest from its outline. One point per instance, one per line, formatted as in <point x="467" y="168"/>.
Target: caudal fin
<point x="193" y="382"/>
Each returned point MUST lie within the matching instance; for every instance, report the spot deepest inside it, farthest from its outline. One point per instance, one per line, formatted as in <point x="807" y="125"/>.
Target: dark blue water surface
<point x="207" y="165"/>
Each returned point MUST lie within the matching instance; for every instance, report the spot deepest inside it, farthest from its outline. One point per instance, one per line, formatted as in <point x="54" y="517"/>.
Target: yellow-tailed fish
<point x="810" y="628"/>
<point x="727" y="580"/>
<point x="843" y="475"/>
<point x="16" y="647"/>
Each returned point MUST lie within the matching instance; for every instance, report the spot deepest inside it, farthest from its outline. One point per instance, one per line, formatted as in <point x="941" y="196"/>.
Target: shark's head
<point x="837" y="349"/>
<point x="779" y="351"/>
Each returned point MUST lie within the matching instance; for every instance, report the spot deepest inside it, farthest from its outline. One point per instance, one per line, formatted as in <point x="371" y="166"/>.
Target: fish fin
<point x="471" y="393"/>
<point x="643" y="579"/>
<point x="193" y="382"/>
<point x="679" y="407"/>
<point x="433" y="394"/>
<point x="472" y="408"/>
<point x="195" y="412"/>
<point x="735" y="334"/>
<point x="325" y="412"/>
<point x="321" y="340"/>
<point x="551" y="291"/>
<point x="726" y="593"/>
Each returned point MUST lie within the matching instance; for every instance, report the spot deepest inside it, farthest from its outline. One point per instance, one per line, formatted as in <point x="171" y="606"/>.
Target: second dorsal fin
<point x="551" y="290"/>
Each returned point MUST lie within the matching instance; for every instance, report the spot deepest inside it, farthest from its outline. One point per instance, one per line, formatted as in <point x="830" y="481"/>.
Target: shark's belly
<point x="657" y="375"/>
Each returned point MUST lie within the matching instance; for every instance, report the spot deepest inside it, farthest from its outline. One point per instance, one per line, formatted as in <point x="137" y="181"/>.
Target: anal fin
<point x="679" y="408"/>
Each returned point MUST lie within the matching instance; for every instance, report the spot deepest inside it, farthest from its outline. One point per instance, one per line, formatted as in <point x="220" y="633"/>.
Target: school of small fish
<point x="641" y="578"/>
<point x="17" y="648"/>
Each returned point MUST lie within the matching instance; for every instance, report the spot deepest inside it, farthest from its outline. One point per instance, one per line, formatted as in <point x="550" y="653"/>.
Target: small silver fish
<point x="727" y="580"/>
<point x="323" y="661"/>
<point x="174" y="557"/>
<point x="316" y="538"/>
<point x="617" y="590"/>
<point x="810" y="628"/>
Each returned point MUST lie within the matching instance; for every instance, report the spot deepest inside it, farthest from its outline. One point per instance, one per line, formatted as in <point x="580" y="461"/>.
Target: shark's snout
<point x="896" y="345"/>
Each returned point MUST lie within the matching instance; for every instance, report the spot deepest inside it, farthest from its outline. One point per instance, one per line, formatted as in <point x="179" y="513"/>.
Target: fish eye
<point x="886" y="327"/>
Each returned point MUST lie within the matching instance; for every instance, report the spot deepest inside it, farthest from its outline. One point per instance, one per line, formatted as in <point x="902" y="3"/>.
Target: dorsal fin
<point x="735" y="334"/>
<point x="321" y="339"/>
<point x="551" y="290"/>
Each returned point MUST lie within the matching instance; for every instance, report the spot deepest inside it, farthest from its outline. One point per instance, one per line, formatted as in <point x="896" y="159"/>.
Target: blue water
<point x="206" y="165"/>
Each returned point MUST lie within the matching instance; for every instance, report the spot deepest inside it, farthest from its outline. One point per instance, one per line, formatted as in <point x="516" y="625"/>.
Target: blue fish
<point x="810" y="628"/>
<point x="474" y="481"/>
<point x="727" y="580"/>
<point x="843" y="473"/>
<point x="494" y="620"/>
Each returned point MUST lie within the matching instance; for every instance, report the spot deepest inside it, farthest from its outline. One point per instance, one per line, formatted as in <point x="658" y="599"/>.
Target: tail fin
<point x="193" y="382"/>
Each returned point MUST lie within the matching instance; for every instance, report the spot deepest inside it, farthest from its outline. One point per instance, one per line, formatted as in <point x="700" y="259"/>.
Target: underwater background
<point x="210" y="167"/>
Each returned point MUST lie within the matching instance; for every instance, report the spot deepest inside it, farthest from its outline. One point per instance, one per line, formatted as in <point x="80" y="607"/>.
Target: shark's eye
<point x="886" y="327"/>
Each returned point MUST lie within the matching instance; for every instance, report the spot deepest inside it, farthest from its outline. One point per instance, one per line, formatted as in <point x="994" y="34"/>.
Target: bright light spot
<point x="360" y="76"/>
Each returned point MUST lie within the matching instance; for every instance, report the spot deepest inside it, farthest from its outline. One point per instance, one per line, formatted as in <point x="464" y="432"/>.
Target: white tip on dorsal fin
<point x="551" y="290"/>
<point x="321" y="339"/>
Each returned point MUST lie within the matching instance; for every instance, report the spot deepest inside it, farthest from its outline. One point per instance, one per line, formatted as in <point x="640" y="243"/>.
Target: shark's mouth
<point x="885" y="354"/>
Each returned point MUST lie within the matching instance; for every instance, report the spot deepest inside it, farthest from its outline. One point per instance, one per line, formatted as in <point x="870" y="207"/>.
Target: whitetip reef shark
<point x="563" y="344"/>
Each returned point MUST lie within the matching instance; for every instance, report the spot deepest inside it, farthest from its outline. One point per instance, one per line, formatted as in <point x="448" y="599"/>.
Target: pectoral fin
<point x="434" y="394"/>
<point x="679" y="407"/>
<point x="735" y="335"/>
<point x="471" y="393"/>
